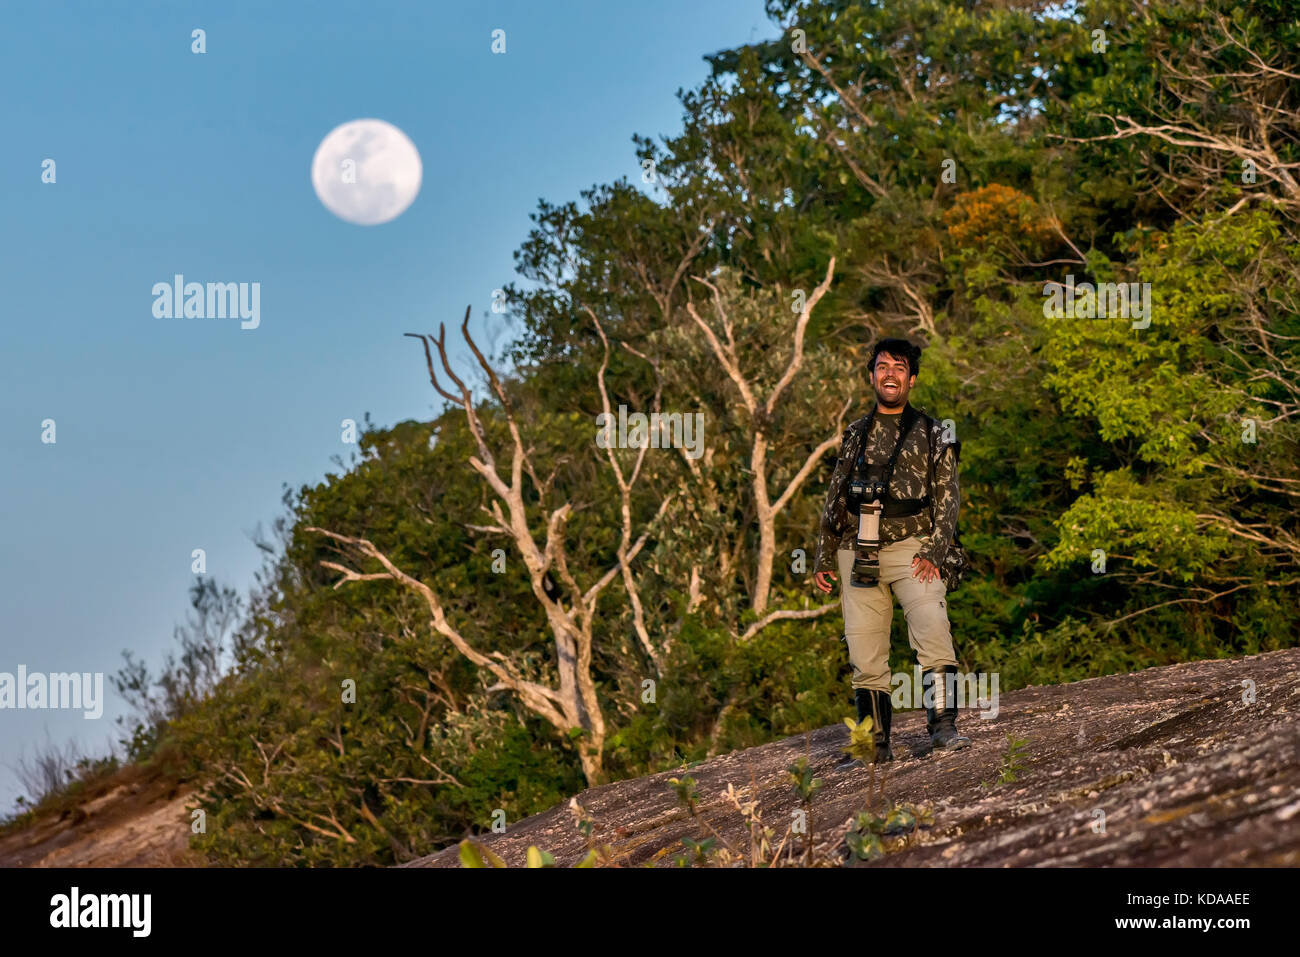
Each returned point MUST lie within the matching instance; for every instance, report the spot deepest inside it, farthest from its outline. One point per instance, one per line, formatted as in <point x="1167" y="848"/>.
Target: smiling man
<point x="889" y="520"/>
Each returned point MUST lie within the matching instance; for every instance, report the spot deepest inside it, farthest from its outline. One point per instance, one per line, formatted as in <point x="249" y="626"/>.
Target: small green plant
<point x="704" y="850"/>
<point x="1012" y="761"/>
<point x="699" y="849"/>
<point x="806" y="786"/>
<point x="867" y="832"/>
<point x="863" y="842"/>
<point x="804" y="783"/>
<point x="862" y="743"/>
<point x="685" y="790"/>
<point x="601" y="854"/>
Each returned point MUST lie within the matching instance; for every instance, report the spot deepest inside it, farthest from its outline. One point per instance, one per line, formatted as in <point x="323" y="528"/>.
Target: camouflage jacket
<point x="935" y="525"/>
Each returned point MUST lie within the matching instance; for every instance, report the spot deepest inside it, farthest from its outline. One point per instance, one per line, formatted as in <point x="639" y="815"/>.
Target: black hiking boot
<point x="941" y="720"/>
<point x="876" y="706"/>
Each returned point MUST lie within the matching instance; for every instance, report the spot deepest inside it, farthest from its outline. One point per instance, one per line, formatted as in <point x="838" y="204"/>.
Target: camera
<point x="866" y="492"/>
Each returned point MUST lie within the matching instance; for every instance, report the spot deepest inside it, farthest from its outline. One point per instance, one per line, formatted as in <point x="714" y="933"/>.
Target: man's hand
<point x="824" y="579"/>
<point x="924" y="571"/>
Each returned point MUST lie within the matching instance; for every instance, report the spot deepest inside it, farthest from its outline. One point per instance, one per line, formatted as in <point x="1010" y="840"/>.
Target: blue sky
<point x="176" y="435"/>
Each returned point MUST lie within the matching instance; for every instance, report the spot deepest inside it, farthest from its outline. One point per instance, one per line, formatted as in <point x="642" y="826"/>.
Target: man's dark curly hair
<point x="899" y="349"/>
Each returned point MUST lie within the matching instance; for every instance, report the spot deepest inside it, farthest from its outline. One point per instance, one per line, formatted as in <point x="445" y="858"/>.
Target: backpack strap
<point x="929" y="459"/>
<point x="904" y="429"/>
<point x="909" y="419"/>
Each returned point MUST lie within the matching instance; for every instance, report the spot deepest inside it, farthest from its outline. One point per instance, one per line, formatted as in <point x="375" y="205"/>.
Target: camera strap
<point x="909" y="419"/>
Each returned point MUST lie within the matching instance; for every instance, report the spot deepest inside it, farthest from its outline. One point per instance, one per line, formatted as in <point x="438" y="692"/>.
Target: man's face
<point x="891" y="381"/>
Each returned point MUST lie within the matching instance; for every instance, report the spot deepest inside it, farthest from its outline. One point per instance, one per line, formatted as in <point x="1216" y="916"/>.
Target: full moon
<point x="366" y="172"/>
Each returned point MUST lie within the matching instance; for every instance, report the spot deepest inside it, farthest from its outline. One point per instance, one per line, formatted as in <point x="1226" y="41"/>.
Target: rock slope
<point x="1195" y="764"/>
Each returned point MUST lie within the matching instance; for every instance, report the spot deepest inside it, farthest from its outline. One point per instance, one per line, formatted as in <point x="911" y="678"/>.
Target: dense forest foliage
<point x="491" y="611"/>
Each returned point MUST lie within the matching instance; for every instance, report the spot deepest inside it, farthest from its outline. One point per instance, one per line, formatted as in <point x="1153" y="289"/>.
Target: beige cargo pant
<point x="869" y="611"/>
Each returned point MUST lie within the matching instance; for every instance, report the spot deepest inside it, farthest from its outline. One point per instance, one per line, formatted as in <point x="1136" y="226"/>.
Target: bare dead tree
<point x="571" y="703"/>
<point x="760" y="411"/>
<point x="625" y="504"/>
